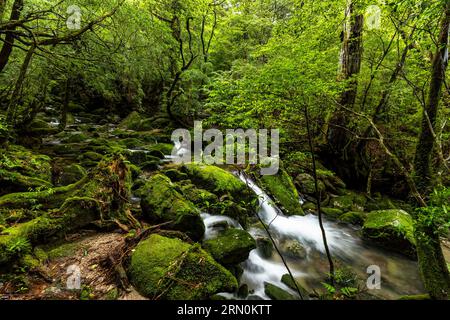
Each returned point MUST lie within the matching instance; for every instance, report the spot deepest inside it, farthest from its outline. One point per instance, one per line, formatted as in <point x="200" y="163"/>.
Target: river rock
<point x="287" y="280"/>
<point x="276" y="293"/>
<point x="283" y="192"/>
<point x="392" y="229"/>
<point x="175" y="270"/>
<point x="161" y="202"/>
<point x="231" y="247"/>
<point x="294" y="249"/>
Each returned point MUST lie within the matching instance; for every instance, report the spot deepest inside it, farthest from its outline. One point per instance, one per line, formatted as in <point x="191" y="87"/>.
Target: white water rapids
<point x="399" y="274"/>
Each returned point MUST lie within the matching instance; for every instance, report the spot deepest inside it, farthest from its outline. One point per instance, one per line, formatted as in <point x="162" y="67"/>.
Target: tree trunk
<point x="8" y="44"/>
<point x="65" y="106"/>
<point x="11" y="113"/>
<point x="432" y="264"/>
<point x="338" y="135"/>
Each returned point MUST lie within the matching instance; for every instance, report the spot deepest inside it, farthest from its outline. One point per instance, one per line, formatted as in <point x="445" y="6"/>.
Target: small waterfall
<point x="399" y="274"/>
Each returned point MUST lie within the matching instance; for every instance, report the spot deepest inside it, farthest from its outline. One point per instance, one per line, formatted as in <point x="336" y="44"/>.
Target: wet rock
<point x="293" y="249"/>
<point x="392" y="229"/>
<point x="332" y="213"/>
<point x="158" y="260"/>
<point x="161" y="202"/>
<point x="70" y="174"/>
<point x="265" y="247"/>
<point x="306" y="184"/>
<point x="231" y="247"/>
<point x="276" y="293"/>
<point x="287" y="280"/>
<point x="353" y="217"/>
<point x="243" y="291"/>
<point x="283" y="191"/>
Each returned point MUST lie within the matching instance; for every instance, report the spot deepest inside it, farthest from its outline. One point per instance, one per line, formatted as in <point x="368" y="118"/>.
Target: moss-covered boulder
<point x="352" y="201"/>
<point x="161" y="202"/>
<point x="393" y="229"/>
<point x="231" y="247"/>
<point x="353" y="217"/>
<point x="293" y="249"/>
<point x="332" y="213"/>
<point x="22" y="169"/>
<point x="305" y="183"/>
<point x="102" y="195"/>
<point x="70" y="174"/>
<point x="132" y="121"/>
<point x="287" y="280"/>
<point x="165" y="268"/>
<point x="218" y="181"/>
<point x="276" y="293"/>
<point x="283" y="192"/>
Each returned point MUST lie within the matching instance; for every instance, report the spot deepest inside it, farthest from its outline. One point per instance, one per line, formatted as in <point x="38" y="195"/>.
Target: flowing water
<point x="399" y="275"/>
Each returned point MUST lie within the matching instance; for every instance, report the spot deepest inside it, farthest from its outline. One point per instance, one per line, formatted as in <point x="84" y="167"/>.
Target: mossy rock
<point x="140" y="157"/>
<point x="132" y="121"/>
<point x="351" y="201"/>
<point x="293" y="249"/>
<point x="265" y="246"/>
<point x="332" y="213"/>
<point x="22" y="169"/>
<point x="306" y="184"/>
<point x="276" y="293"/>
<point x="287" y="280"/>
<point x="161" y="202"/>
<point x="91" y="156"/>
<point x="393" y="229"/>
<point x="353" y="217"/>
<point x="175" y="175"/>
<point x="216" y="180"/>
<point x="283" y="191"/>
<point x="231" y="247"/>
<point x="103" y="194"/>
<point x="161" y="149"/>
<point x="171" y="269"/>
<point x="75" y="137"/>
<point x="71" y="174"/>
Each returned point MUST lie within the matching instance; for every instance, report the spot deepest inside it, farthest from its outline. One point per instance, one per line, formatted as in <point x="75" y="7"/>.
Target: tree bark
<point x="338" y="136"/>
<point x="432" y="265"/>
<point x="8" y="44"/>
<point x="11" y="113"/>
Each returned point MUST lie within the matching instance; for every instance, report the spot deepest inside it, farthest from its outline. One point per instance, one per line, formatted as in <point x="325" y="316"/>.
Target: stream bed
<point x="399" y="274"/>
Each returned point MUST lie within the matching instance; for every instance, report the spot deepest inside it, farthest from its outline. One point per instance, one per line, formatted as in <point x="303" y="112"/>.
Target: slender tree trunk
<point x="432" y="264"/>
<point x="338" y="135"/>
<point x="8" y="44"/>
<point x="65" y="106"/>
<point x="11" y="113"/>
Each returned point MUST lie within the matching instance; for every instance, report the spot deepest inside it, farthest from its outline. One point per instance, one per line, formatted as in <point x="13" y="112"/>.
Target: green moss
<point x="283" y="191"/>
<point x="71" y="174"/>
<point x="332" y="213"/>
<point x="276" y="293"/>
<point x="164" y="148"/>
<point x="161" y="202"/>
<point x="132" y="121"/>
<point x="352" y="201"/>
<point x="171" y="269"/>
<point x="307" y="184"/>
<point x="21" y="169"/>
<point x="287" y="280"/>
<point x="231" y="247"/>
<point x="75" y="138"/>
<point x="393" y="229"/>
<point x="353" y="217"/>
